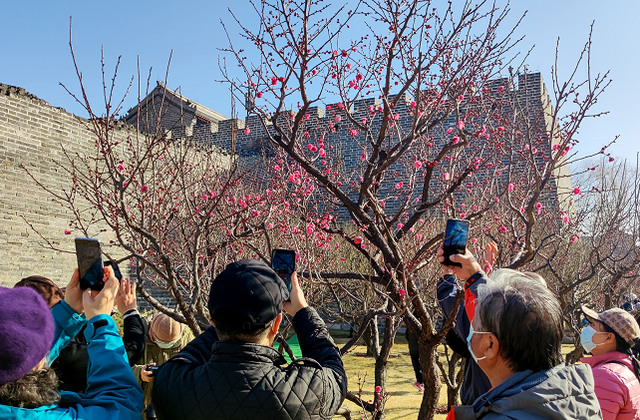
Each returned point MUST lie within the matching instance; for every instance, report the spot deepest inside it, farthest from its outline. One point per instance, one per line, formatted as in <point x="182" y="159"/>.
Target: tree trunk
<point x="381" y="381"/>
<point x="371" y="337"/>
<point x="432" y="383"/>
<point x="574" y="356"/>
<point x="455" y="377"/>
<point x="382" y="360"/>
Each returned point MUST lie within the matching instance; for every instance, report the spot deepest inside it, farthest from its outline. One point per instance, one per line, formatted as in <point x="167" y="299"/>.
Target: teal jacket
<point x="112" y="391"/>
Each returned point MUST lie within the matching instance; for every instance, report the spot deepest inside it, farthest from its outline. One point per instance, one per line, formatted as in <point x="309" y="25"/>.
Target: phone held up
<point x="89" y="255"/>
<point x="283" y="262"/>
<point x="116" y="269"/>
<point x="153" y="369"/>
<point x="455" y="240"/>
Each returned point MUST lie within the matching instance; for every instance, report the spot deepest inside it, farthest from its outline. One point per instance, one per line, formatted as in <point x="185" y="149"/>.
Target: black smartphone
<point x="89" y="255"/>
<point x="283" y="262"/>
<point x="116" y="269"/>
<point x="455" y="240"/>
<point x="153" y="369"/>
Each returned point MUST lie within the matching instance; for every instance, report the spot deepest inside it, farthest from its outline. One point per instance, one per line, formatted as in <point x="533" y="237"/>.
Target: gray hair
<point x="525" y="317"/>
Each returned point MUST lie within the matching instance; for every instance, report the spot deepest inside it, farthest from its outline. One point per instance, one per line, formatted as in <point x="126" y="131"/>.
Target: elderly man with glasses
<point x="515" y="338"/>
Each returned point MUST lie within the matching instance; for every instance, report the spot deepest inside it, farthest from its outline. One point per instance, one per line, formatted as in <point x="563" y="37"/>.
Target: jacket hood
<point x="559" y="393"/>
<point x="15" y="413"/>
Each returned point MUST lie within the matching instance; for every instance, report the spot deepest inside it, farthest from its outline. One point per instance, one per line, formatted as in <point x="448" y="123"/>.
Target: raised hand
<point x="102" y="303"/>
<point x="73" y="293"/>
<point x="469" y="264"/>
<point x="490" y="256"/>
<point x="126" y="298"/>
<point x="298" y="300"/>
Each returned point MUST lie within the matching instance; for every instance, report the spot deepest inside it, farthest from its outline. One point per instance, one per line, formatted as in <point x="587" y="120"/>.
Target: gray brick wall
<point x="31" y="132"/>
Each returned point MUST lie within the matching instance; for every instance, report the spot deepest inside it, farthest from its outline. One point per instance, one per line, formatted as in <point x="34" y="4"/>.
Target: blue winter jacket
<point x="112" y="391"/>
<point x="475" y="382"/>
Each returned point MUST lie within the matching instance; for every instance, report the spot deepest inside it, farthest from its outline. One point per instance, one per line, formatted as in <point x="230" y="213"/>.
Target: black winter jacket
<point x="213" y="379"/>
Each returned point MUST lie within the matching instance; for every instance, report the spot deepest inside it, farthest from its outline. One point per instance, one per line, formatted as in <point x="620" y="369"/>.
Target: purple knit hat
<point x="26" y="332"/>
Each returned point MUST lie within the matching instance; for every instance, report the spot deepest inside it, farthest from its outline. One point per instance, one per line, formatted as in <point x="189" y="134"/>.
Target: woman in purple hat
<point x="31" y="336"/>
<point x="613" y="339"/>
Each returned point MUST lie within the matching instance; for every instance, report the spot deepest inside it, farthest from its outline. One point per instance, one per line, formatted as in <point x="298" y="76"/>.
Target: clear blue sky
<point x="35" y="54"/>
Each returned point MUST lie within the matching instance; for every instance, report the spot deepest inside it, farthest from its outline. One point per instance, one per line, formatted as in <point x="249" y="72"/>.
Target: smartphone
<point x="153" y="369"/>
<point x="89" y="255"/>
<point x="455" y="240"/>
<point x="116" y="269"/>
<point x="283" y="262"/>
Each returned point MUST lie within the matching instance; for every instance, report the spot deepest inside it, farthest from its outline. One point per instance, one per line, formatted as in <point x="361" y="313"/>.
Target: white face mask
<point x="164" y="345"/>
<point x="469" y="337"/>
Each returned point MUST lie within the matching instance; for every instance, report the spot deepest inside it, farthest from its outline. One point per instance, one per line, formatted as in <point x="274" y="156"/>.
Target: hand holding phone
<point x="116" y="270"/>
<point x="455" y="240"/>
<point x="90" y="265"/>
<point x="468" y="264"/>
<point x="73" y="293"/>
<point x="152" y="369"/>
<point x="297" y="300"/>
<point x="148" y="372"/>
<point x="283" y="262"/>
<point x="101" y="303"/>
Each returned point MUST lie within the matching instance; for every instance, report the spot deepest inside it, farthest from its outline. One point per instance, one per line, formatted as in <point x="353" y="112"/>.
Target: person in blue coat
<point x="32" y="337"/>
<point x="475" y="381"/>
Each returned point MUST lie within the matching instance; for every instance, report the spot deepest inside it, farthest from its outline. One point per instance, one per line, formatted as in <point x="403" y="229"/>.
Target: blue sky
<point x="35" y="54"/>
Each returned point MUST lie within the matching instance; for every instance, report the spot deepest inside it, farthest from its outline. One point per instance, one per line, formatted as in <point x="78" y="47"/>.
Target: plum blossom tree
<point x="176" y="211"/>
<point x="382" y="121"/>
<point x="400" y="126"/>
<point x="600" y="266"/>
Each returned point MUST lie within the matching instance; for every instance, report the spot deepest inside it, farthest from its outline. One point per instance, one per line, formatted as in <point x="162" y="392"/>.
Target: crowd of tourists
<point x="62" y="356"/>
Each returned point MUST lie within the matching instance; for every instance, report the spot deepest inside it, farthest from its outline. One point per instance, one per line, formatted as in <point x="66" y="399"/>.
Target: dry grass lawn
<point x="404" y="400"/>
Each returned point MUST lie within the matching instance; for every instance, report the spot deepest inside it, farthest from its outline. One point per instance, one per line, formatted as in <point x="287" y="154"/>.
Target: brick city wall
<point x="530" y="91"/>
<point x="32" y="131"/>
<point x="31" y="134"/>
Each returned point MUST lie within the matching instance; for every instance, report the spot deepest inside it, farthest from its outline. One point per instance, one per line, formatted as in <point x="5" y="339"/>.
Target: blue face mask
<point x="586" y="338"/>
<point x="469" y="337"/>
